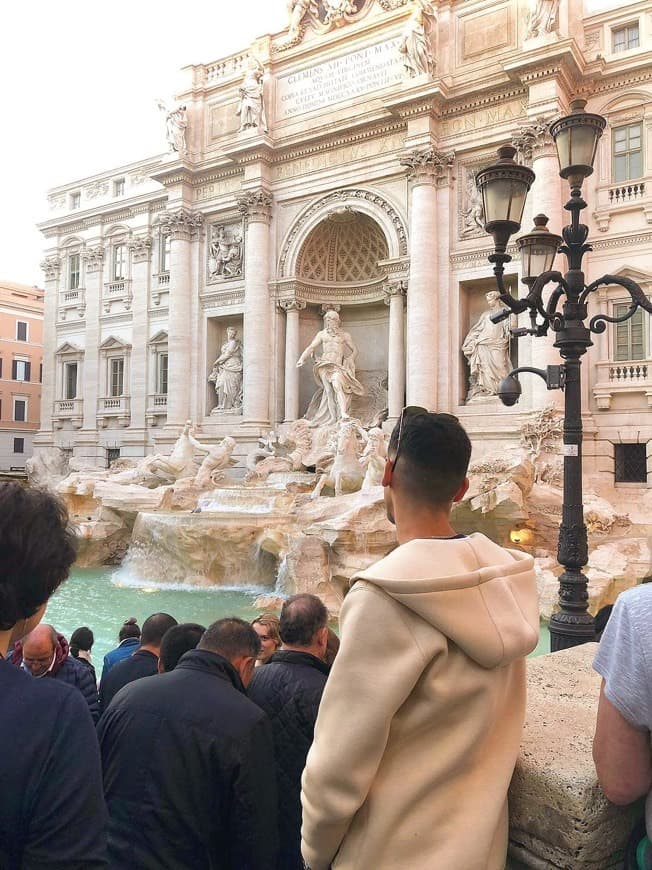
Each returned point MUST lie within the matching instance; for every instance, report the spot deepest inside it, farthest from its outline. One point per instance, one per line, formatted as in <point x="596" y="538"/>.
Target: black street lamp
<point x="504" y="188"/>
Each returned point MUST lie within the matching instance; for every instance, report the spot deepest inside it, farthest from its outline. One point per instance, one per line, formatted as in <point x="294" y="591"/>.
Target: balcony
<point x="117" y="291"/>
<point x="623" y="202"/>
<point x="160" y="286"/>
<point x="68" y="410"/>
<point x="615" y="378"/>
<point x="72" y="303"/>
<point x="113" y="410"/>
<point x="157" y="408"/>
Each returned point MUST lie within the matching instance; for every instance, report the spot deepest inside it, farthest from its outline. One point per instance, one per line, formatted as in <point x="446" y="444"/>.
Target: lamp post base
<point x="570" y="629"/>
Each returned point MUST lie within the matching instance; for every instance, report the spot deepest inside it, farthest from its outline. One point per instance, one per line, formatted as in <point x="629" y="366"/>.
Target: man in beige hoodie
<point x="420" y="722"/>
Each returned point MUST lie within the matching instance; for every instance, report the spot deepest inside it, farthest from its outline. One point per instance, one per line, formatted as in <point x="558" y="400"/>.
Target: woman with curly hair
<point x="266" y="627"/>
<point x="51" y="803"/>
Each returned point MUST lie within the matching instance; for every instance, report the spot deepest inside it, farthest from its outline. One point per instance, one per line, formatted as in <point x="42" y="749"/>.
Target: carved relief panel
<point x="470" y="207"/>
<point x="225" y="251"/>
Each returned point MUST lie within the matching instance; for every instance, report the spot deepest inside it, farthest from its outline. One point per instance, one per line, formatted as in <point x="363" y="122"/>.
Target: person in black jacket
<point x="142" y="663"/>
<point x="289" y="689"/>
<point x="186" y="755"/>
<point x="52" y="810"/>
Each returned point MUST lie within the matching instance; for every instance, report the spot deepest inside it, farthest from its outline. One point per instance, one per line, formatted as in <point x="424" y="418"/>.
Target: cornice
<point x="227" y="297"/>
<point x="481" y="101"/>
<point x="103" y="215"/>
<point x="331" y="142"/>
<point x="562" y="58"/>
<point x="478" y="256"/>
<point x="622" y="241"/>
<point x="175" y="173"/>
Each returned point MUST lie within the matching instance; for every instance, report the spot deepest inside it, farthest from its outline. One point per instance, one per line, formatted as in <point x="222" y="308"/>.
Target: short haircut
<point x="301" y="618"/>
<point x="178" y="640"/>
<point x="37" y="548"/>
<point x="271" y="622"/>
<point x="155" y="627"/>
<point x="433" y="458"/>
<point x="81" y="638"/>
<point x="130" y="628"/>
<point x="230" y="638"/>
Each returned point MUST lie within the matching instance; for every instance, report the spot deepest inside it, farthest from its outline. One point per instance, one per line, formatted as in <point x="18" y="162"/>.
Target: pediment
<point x="68" y="347"/>
<point x="633" y="274"/>
<point x="113" y="343"/>
<point x="161" y="337"/>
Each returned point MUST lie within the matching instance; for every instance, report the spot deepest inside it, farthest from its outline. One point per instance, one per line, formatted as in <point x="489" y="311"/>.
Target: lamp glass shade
<point x="576" y="139"/>
<point x="538" y="249"/>
<point x="504" y="200"/>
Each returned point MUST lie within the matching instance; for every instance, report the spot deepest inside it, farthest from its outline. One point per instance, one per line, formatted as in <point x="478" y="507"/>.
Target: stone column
<point x="182" y="226"/>
<point x="395" y="293"/>
<point x="425" y="169"/>
<point x="93" y="380"/>
<point x="292" y="307"/>
<point x="256" y="206"/>
<point x="536" y="148"/>
<point x="52" y="268"/>
<point x="141" y="252"/>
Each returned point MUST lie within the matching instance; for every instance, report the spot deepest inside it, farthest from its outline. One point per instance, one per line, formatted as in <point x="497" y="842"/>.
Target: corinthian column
<point x="51" y="267"/>
<point x="182" y="226"/>
<point x="394" y="295"/>
<point x="141" y="252"/>
<point x="93" y="384"/>
<point x="256" y="206"/>
<point x="292" y="352"/>
<point x="425" y="169"/>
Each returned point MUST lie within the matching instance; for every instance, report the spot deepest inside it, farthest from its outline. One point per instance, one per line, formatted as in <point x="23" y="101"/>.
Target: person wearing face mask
<point x="52" y="811"/>
<point x="45" y="653"/>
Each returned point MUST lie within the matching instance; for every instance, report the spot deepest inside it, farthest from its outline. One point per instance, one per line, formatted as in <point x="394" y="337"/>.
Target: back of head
<point x="129" y="628"/>
<point x="37" y="548"/>
<point x="178" y="640"/>
<point x="433" y="458"/>
<point x="301" y="618"/>
<point x="230" y="638"/>
<point x="155" y="627"/>
<point x="81" y="638"/>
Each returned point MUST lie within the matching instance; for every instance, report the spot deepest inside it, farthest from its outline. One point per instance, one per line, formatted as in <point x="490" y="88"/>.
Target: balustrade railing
<point x="626" y="193"/>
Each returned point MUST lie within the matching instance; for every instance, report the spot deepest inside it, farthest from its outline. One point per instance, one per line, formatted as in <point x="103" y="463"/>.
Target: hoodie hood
<point x="481" y="596"/>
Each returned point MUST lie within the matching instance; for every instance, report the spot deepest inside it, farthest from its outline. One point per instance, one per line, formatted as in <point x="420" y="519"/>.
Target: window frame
<point x="26" y="325"/>
<point x="621" y="447"/>
<point x="75" y="200"/>
<point x="637" y="319"/>
<point x="119" y="261"/>
<point x="25" y="364"/>
<point x="627" y="152"/>
<point x="22" y="446"/>
<point x="25" y="402"/>
<point x="625" y="29"/>
<point x="74" y="272"/>
<point x="67" y="382"/>
<point x="110" y="376"/>
<point x="118" y="187"/>
<point x="165" y="245"/>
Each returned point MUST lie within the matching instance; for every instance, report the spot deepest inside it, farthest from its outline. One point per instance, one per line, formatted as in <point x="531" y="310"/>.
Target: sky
<point x="81" y="82"/>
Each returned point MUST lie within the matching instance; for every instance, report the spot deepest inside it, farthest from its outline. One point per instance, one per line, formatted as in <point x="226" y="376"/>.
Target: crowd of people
<point x="270" y="746"/>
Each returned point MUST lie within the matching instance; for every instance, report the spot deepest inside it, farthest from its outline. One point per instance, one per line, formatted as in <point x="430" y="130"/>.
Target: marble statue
<point x="486" y="347"/>
<point x="346" y="473"/>
<point x="297" y="11"/>
<point x="335" y="10"/>
<point x="334" y="371"/>
<point x="252" y="105"/>
<point x="218" y="458"/>
<point x="473" y="214"/>
<point x="159" y="469"/>
<point x="266" y="460"/>
<point x="225" y="255"/>
<point x="226" y="373"/>
<point x="176" y="122"/>
<point x="542" y="18"/>
<point x="373" y="458"/>
<point x="416" y="44"/>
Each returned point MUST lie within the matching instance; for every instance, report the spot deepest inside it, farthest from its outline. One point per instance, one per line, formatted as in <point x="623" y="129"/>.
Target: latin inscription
<point x="486" y="118"/>
<point x="217" y="188"/>
<point x="340" y="156"/>
<point x="344" y="78"/>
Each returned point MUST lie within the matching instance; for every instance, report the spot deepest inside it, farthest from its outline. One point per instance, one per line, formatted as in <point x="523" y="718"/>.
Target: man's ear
<point x="244" y="665"/>
<point x="387" y="473"/>
<point x="461" y="492"/>
<point x="322" y="639"/>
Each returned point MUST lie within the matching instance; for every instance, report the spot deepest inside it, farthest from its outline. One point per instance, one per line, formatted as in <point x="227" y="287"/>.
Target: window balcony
<point x="68" y="410"/>
<point x="623" y="198"/>
<point x="616" y="378"/>
<point x="157" y="408"/>
<point x="117" y="291"/>
<point x="72" y="303"/>
<point x="113" y="410"/>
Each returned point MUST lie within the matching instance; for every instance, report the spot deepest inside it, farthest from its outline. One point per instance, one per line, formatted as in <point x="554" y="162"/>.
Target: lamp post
<point x="504" y="188"/>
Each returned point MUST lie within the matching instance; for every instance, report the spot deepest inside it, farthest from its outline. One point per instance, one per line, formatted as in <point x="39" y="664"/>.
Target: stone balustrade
<point x="627" y="376"/>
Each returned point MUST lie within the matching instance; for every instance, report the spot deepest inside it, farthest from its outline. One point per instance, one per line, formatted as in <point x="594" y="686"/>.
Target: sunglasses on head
<point x="411" y="411"/>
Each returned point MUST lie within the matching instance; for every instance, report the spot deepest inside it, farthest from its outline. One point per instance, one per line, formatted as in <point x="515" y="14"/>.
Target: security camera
<point x="509" y="390"/>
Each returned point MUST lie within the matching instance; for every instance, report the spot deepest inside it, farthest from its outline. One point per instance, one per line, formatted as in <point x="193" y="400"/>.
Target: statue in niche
<point x="416" y="44"/>
<point x="176" y="122"/>
<point x="473" y="214"/>
<point x="252" y="105"/>
<point x="486" y="347"/>
<point x="542" y="18"/>
<point x="225" y="255"/>
<point x="334" y="371"/>
<point x="226" y="374"/>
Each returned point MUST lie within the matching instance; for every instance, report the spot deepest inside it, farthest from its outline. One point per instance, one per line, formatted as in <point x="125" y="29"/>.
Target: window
<point x="21" y="331"/>
<point x="74" y="271"/>
<point x="625" y="38"/>
<point x="0" y="366"/>
<point x="19" y="445"/>
<point x="119" y="262"/>
<point x="20" y="410"/>
<point x="75" y="199"/>
<point x="629" y="339"/>
<point x="162" y="378"/>
<point x="40" y="373"/>
<point x="627" y="152"/>
<point x="70" y="381"/>
<point x="164" y="254"/>
<point x="21" y="370"/>
<point x="112" y="453"/>
<point x="116" y="376"/>
<point x="119" y="187"/>
<point x="631" y="463"/>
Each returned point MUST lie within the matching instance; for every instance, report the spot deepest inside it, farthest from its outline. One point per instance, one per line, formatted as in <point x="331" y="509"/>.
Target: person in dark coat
<point x="142" y="663"/>
<point x="52" y="811"/>
<point x="45" y="653"/>
<point x="129" y="637"/>
<point x="186" y="757"/>
<point x="177" y="641"/>
<point x="289" y="689"/>
<point x="81" y="644"/>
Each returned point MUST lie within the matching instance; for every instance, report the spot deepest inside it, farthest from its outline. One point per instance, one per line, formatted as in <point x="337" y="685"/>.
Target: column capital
<point x="394" y="289"/>
<point x="291" y="304"/>
<point x="255" y="205"/>
<point x="181" y="224"/>
<point x="533" y="140"/>
<point x="141" y="248"/>
<point x="427" y="166"/>
<point x="93" y="257"/>
<point x="51" y="266"/>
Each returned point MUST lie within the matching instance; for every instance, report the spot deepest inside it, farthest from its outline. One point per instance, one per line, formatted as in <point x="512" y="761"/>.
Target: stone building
<point x="333" y="166"/>
<point x="21" y="359"/>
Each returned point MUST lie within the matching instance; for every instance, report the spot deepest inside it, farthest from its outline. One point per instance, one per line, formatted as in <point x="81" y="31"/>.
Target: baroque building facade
<point x="332" y="166"/>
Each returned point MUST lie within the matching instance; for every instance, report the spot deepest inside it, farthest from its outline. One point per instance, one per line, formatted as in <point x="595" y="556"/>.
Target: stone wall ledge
<point x="559" y="817"/>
